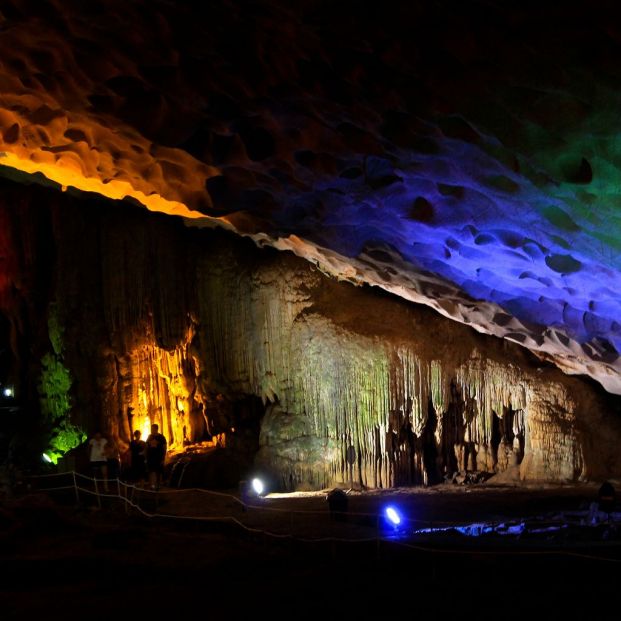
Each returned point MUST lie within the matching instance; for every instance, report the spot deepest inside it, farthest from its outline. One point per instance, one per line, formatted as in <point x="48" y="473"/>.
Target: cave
<point x="360" y="264"/>
<point x="358" y="251"/>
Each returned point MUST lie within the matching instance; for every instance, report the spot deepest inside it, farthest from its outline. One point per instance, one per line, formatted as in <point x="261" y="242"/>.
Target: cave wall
<point x="117" y="287"/>
<point x="189" y="327"/>
<point x="364" y="388"/>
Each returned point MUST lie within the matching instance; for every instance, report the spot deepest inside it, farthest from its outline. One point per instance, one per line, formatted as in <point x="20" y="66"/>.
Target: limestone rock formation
<point x="262" y="354"/>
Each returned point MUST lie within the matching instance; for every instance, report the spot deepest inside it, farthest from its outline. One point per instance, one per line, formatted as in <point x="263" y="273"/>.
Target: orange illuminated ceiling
<point x="78" y="150"/>
<point x="48" y="123"/>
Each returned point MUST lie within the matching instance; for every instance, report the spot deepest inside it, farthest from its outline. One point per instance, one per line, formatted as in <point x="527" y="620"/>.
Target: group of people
<point x="146" y="458"/>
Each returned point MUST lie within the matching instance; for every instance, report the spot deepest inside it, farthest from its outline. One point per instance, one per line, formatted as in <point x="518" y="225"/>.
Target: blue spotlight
<point x="393" y="516"/>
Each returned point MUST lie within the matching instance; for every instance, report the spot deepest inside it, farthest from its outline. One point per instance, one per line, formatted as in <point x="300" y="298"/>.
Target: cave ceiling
<point x="464" y="155"/>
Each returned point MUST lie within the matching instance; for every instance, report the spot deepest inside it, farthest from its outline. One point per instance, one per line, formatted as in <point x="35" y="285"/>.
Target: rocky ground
<point x="64" y="560"/>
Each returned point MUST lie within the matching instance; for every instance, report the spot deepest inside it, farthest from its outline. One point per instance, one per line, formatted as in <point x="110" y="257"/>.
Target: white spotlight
<point x="47" y="458"/>
<point x="8" y="391"/>
<point x="258" y="487"/>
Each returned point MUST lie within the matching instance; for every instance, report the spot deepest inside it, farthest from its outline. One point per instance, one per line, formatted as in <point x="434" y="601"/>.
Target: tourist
<point x="137" y="456"/>
<point x="156" y="456"/>
<point x="97" y="458"/>
<point x="113" y="459"/>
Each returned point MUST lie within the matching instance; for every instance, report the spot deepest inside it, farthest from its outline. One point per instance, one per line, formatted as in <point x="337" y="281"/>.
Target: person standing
<point x="97" y="457"/>
<point x="156" y="456"/>
<point x="113" y="459"/>
<point x="137" y="456"/>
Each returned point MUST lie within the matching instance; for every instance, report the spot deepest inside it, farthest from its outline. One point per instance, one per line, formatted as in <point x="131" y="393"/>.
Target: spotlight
<point x="258" y="487"/>
<point x="8" y="391"/>
<point x="392" y="515"/>
<point x="46" y="458"/>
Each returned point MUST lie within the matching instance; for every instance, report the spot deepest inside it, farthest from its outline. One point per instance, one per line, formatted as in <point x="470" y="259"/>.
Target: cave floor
<point x="64" y="560"/>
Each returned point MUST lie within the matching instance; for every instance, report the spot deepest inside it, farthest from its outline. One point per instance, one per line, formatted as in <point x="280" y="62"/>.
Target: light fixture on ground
<point x="46" y="458"/>
<point x="392" y="516"/>
<point x="257" y="486"/>
<point x="7" y="391"/>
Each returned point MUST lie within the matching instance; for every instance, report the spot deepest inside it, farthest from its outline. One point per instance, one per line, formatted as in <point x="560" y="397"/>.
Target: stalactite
<point x="440" y="385"/>
<point x="160" y="388"/>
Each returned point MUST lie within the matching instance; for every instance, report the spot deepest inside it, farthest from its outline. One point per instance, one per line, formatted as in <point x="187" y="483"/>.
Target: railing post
<point x="97" y="492"/>
<point x="75" y="488"/>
